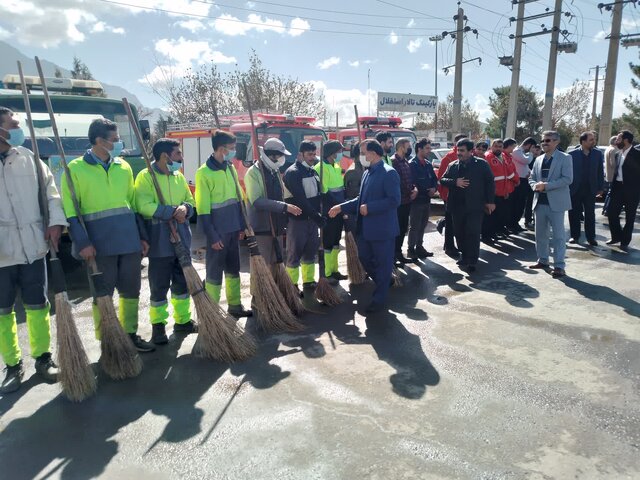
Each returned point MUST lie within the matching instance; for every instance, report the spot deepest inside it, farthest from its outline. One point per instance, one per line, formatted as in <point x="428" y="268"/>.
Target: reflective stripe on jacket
<point x="107" y="204"/>
<point x="217" y="201"/>
<point x="176" y="192"/>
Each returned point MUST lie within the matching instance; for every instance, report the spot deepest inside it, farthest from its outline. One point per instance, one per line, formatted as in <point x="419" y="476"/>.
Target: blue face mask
<point x="16" y="137"/>
<point x="230" y="156"/>
<point x="116" y="150"/>
<point x="339" y="156"/>
<point x="175" y="166"/>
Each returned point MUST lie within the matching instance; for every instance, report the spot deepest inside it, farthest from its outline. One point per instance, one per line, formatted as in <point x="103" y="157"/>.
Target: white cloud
<point x="251" y="5"/>
<point x="481" y="106"/>
<point x="328" y="63"/>
<point x="184" y="52"/>
<point x="4" y="33"/>
<point x="393" y="38"/>
<point x="599" y="36"/>
<point x="192" y="25"/>
<point x="342" y="101"/>
<point x="628" y="23"/>
<point x="425" y="66"/>
<point x="354" y="64"/>
<point x="414" y="45"/>
<point x="298" y="26"/>
<point x="232" y="26"/>
<point x="411" y="23"/>
<point x="101" y="27"/>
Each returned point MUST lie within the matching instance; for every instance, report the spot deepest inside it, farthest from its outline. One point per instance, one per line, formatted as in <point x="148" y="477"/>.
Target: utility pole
<point x="436" y="39"/>
<point x="369" y="91"/>
<point x="457" y="85"/>
<point x="515" y="74"/>
<point x="595" y="94"/>
<point x="551" y="73"/>
<point x="612" y="66"/>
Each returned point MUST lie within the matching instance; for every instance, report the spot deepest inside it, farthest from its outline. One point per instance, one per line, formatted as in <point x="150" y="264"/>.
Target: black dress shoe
<point x="400" y="258"/>
<point x="141" y="345"/>
<point x="422" y="253"/>
<point x="440" y="225"/>
<point x="593" y="243"/>
<point x="539" y="266"/>
<point x="573" y="241"/>
<point x="612" y="242"/>
<point x="558" y="272"/>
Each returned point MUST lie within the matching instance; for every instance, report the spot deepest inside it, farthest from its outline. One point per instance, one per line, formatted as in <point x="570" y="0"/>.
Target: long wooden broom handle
<point x="42" y="192"/>
<point x="63" y="158"/>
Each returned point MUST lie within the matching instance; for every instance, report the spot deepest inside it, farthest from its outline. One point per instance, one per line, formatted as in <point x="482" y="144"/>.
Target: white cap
<point x="277" y="145"/>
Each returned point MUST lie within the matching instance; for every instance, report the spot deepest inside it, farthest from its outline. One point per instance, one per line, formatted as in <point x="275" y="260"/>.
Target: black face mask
<point x="408" y="154"/>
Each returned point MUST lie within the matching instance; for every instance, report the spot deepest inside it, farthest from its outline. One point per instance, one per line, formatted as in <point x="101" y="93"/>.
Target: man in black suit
<point x="471" y="193"/>
<point x="625" y="190"/>
<point x="588" y="182"/>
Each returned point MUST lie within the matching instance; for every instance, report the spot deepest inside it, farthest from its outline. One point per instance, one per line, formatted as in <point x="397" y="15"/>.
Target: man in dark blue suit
<point x="377" y="219"/>
<point x="588" y="182"/>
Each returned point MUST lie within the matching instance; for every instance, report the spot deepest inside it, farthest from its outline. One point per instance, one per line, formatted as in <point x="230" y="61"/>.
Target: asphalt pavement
<point x="504" y="373"/>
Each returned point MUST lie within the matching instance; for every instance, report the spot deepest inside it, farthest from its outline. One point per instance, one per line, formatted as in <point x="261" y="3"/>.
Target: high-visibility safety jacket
<point x="332" y="184"/>
<point x="265" y="208"/>
<point x="504" y="174"/>
<point x="21" y="225"/>
<point x="217" y="200"/>
<point x="176" y="192"/>
<point x="107" y="205"/>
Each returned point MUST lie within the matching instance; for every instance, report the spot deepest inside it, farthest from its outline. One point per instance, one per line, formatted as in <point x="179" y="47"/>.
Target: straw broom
<point x="274" y="313"/>
<point x="219" y="335"/>
<point x="75" y="374"/>
<point x="119" y="357"/>
<point x="324" y="292"/>
<point x="355" y="270"/>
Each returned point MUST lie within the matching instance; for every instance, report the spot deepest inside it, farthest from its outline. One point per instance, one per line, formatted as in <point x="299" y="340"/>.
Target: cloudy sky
<point x="331" y="43"/>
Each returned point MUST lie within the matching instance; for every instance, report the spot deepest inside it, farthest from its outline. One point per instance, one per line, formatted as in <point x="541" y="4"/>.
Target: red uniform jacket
<point x="504" y="173"/>
<point x="446" y="160"/>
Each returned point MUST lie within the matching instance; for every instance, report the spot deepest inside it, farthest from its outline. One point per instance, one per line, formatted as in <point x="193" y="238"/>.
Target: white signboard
<point x="406" y="102"/>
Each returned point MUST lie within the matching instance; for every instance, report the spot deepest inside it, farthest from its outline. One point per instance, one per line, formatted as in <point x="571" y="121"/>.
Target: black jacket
<point x="481" y="189"/>
<point x="591" y="167"/>
<point x="303" y="185"/>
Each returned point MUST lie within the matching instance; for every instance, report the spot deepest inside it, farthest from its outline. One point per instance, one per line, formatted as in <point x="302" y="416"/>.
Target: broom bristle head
<point x="289" y="292"/>
<point x="326" y="294"/>
<point x="75" y="374"/>
<point x="119" y="357"/>
<point x="355" y="270"/>
<point x="219" y="335"/>
<point x="274" y="315"/>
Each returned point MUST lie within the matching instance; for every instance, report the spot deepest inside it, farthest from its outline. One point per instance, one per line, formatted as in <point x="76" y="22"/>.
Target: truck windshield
<point x="73" y="116"/>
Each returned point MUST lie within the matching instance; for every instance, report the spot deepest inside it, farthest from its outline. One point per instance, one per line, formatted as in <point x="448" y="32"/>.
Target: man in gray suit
<point x="550" y="179"/>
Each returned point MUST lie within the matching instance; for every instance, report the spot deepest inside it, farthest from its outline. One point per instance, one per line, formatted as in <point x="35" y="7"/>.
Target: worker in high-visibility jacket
<point x="23" y="247"/>
<point x="115" y="235"/>
<point x="165" y="271"/>
<point x="220" y="218"/>
<point x="332" y="188"/>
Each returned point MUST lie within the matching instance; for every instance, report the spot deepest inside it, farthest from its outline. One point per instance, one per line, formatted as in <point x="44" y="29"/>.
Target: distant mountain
<point x="9" y="56"/>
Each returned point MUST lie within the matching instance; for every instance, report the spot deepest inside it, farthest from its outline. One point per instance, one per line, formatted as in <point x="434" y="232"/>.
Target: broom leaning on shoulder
<point x="119" y="358"/>
<point x="219" y="335"/>
<point x="75" y="374"/>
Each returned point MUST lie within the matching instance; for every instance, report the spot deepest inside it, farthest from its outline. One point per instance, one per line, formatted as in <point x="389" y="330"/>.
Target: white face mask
<point x="271" y="164"/>
<point x="363" y="160"/>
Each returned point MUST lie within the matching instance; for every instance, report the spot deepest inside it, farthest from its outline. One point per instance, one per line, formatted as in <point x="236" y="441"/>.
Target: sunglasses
<point x="547" y="140"/>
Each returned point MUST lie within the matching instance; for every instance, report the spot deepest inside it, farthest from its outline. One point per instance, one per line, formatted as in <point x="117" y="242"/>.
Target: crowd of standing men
<point x="384" y="195"/>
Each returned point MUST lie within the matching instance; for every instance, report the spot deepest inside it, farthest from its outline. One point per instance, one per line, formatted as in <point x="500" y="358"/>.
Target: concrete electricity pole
<point x="436" y="39"/>
<point x="595" y="95"/>
<point x="457" y="85"/>
<point x="551" y="73"/>
<point x="515" y="74"/>
<point x="610" y="78"/>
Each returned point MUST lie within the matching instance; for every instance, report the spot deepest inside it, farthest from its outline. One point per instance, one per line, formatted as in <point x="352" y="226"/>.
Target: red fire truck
<point x="196" y="139"/>
<point x="369" y="128"/>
